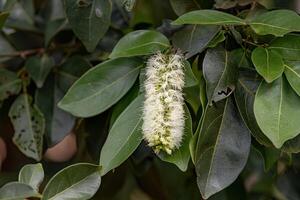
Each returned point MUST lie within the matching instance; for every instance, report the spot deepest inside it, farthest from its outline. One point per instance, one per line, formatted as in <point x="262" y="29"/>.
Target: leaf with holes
<point x="78" y="181"/>
<point x="277" y="110"/>
<point x="32" y="174"/>
<point x="29" y="126"/>
<point x="194" y="39"/>
<point x="268" y="63"/>
<point x="39" y="68"/>
<point x="10" y="84"/>
<point x="208" y="17"/>
<point x="101" y="87"/>
<point x="89" y="20"/>
<point x="124" y="136"/>
<point x="220" y="73"/>
<point x="222" y="148"/>
<point x="138" y="43"/>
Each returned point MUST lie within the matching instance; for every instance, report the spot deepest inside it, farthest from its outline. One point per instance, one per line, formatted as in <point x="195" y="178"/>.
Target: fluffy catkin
<point x="163" y="112"/>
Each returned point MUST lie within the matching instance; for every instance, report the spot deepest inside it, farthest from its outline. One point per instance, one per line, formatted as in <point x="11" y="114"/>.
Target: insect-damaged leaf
<point x="220" y="73"/>
<point x="29" y="126"/>
<point x="222" y="149"/>
<point x="10" y="84"/>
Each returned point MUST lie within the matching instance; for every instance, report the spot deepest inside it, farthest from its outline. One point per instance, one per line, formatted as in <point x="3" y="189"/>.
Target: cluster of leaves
<point x="242" y="94"/>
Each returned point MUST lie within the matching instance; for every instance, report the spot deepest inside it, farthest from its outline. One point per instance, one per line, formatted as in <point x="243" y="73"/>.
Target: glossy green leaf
<point x="276" y="109"/>
<point x="89" y="20"/>
<point x="39" y="68"/>
<point x="76" y="182"/>
<point x="181" y="157"/>
<point x="220" y="74"/>
<point x="268" y="63"/>
<point x="71" y="70"/>
<point x="141" y="42"/>
<point x="244" y="94"/>
<point x="182" y="6"/>
<point x="10" y="84"/>
<point x="208" y="17"/>
<point x="292" y="73"/>
<point x="276" y="22"/>
<point x="29" y="126"/>
<point x="194" y="39"/>
<point x="101" y="87"/>
<point x="17" y="191"/>
<point x="123" y="103"/>
<point x="32" y="174"/>
<point x="58" y="122"/>
<point x="3" y="17"/>
<point x="288" y="46"/>
<point x="222" y="149"/>
<point x="124" y="136"/>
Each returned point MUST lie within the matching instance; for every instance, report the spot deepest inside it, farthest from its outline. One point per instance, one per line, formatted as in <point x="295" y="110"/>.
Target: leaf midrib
<point x="105" y="87"/>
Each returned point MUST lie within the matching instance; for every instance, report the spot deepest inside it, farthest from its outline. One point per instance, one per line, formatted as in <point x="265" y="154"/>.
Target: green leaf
<point x="194" y="39"/>
<point x="39" y="68"/>
<point x="124" y="136"/>
<point x="17" y="191"/>
<point x="182" y="6"/>
<point x="268" y="63"/>
<point x="71" y="70"/>
<point x="220" y="74"/>
<point x="21" y="16"/>
<point x="270" y="155"/>
<point x="217" y="39"/>
<point x="277" y="110"/>
<point x="222" y="149"/>
<point x="276" y="22"/>
<point x="288" y="46"/>
<point x="138" y="43"/>
<point x="3" y="17"/>
<point x="89" y="20"/>
<point x="190" y="79"/>
<point x="29" y="126"/>
<point x="181" y="157"/>
<point x="79" y="181"/>
<point x="5" y="49"/>
<point x="10" y="84"/>
<point x="292" y="73"/>
<point x="123" y="103"/>
<point x="101" y="87"/>
<point x="58" y="122"/>
<point x="208" y="17"/>
<point x="32" y="174"/>
<point x="292" y="145"/>
<point x="53" y="27"/>
<point x="244" y="94"/>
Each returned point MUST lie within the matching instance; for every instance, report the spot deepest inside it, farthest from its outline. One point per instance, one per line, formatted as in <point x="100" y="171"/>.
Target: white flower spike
<point x="163" y="113"/>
